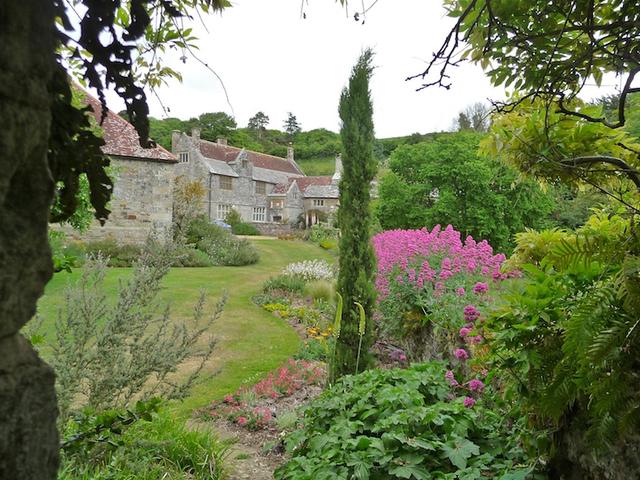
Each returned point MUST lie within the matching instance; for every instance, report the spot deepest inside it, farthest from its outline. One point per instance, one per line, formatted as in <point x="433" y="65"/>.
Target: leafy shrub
<point x="63" y="258"/>
<point x="117" y="255"/>
<point x="233" y="218"/>
<point x="230" y="251"/>
<point x="200" y="229"/>
<point x="191" y="257"/>
<point x="328" y="244"/>
<point x="157" y="448"/>
<point x="222" y="247"/>
<point x="285" y="283"/>
<point x="309" y="270"/>
<point x="400" y="424"/>
<point x="320" y="290"/>
<point x="567" y="334"/>
<point x="314" y="349"/>
<point x="108" y="353"/>
<point x="244" y="229"/>
<point x="320" y="232"/>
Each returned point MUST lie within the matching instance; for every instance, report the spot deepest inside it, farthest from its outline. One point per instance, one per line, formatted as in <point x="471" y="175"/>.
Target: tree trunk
<point x="28" y="435"/>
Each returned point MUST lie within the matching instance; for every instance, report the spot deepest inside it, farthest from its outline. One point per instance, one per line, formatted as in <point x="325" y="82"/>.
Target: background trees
<point x="357" y="262"/>
<point x="291" y="125"/>
<point x="445" y="181"/>
<point x="475" y="117"/>
<point x="258" y="123"/>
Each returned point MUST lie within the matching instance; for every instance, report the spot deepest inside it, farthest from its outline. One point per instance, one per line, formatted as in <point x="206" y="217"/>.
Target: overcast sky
<point x="273" y="60"/>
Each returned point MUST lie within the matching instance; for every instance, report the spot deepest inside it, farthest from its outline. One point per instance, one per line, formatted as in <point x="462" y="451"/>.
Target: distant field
<point x="251" y="341"/>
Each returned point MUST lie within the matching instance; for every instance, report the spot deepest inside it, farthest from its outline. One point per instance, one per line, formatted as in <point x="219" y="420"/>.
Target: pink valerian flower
<point x="242" y="420"/>
<point x="452" y="380"/>
<point x="460" y="292"/>
<point x="228" y="399"/>
<point x="445" y="274"/>
<point x="471" y="313"/>
<point x="476" y="385"/>
<point x="469" y="402"/>
<point x="464" y="331"/>
<point x="474" y="340"/>
<point x="461" y="354"/>
<point x="480" y="287"/>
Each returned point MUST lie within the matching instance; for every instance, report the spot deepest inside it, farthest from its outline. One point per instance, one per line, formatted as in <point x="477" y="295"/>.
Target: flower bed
<point x="255" y="408"/>
<point x="310" y="270"/>
<point x="433" y="288"/>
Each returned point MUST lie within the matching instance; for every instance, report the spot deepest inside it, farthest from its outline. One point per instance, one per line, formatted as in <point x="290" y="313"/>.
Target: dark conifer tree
<point x="357" y="261"/>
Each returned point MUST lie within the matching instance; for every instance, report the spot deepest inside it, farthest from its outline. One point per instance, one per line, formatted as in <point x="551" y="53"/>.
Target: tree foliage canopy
<point x="445" y="181"/>
<point x="291" y="125"/>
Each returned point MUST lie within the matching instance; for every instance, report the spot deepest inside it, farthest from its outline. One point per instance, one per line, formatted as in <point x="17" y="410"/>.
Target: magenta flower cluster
<point x="438" y="263"/>
<point x="240" y="408"/>
<point x="410" y="255"/>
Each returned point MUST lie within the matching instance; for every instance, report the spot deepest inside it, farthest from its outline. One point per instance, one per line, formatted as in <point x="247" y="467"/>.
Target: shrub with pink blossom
<point x="431" y="287"/>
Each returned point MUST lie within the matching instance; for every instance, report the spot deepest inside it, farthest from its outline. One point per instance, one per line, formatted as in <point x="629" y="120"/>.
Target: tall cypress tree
<point x="357" y="261"/>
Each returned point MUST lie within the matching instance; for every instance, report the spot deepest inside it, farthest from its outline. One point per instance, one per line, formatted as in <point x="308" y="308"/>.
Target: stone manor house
<point x="270" y="192"/>
<point x="263" y="188"/>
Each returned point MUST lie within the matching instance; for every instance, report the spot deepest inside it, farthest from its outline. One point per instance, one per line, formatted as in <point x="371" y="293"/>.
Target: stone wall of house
<point x="274" y="229"/>
<point x="242" y="197"/>
<point x="141" y="204"/>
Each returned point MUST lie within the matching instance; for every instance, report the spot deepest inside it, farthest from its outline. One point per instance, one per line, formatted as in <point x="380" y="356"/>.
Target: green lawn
<point x="251" y="341"/>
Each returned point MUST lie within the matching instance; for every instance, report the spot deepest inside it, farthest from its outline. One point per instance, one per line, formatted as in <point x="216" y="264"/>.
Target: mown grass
<point x="251" y="341"/>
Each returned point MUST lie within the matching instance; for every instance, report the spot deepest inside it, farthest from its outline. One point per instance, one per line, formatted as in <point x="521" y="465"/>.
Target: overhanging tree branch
<point x="621" y="165"/>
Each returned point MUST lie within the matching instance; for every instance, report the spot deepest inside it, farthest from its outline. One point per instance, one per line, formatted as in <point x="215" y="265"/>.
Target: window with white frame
<point x="318" y="202"/>
<point x="259" y="214"/>
<point x="183" y="157"/>
<point x="261" y="188"/>
<point x="226" y="183"/>
<point x="276" y="203"/>
<point x="223" y="211"/>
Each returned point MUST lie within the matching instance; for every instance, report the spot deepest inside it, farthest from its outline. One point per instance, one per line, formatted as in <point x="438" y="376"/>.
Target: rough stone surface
<point x="274" y="229"/>
<point x="28" y="435"/>
<point x="141" y="203"/>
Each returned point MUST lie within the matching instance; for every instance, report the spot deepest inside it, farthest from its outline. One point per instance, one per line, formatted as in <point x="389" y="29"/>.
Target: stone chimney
<point x="290" y="153"/>
<point x="221" y="140"/>
<point x="175" y="137"/>
<point x="337" y="175"/>
<point x="195" y="135"/>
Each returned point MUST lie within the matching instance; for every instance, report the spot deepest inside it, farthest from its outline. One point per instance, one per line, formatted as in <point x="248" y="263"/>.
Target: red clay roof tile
<point x="122" y="139"/>
<point x="228" y="154"/>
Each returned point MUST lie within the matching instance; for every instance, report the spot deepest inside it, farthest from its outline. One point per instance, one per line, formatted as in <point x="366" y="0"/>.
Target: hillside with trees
<point x="315" y="149"/>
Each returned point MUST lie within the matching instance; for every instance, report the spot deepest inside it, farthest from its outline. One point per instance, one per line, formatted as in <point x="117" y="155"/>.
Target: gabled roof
<point x="228" y="154"/>
<point x="318" y="187"/>
<point x="219" y="167"/>
<point x="305" y="182"/>
<point x="311" y="187"/>
<point x="282" y="188"/>
<point x="121" y="138"/>
<point x="269" y="176"/>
